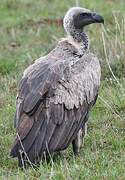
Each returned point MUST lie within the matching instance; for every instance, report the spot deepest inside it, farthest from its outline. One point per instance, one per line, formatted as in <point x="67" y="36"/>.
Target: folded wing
<point x="54" y="98"/>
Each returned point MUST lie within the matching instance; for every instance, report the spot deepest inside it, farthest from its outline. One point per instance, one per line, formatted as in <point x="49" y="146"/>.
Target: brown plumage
<point x="55" y="96"/>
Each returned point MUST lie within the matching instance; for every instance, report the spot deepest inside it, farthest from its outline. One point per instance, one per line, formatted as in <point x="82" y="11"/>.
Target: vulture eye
<point x="84" y="14"/>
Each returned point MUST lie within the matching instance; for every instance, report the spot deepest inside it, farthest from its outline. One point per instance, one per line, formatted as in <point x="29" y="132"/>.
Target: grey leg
<point x="78" y="141"/>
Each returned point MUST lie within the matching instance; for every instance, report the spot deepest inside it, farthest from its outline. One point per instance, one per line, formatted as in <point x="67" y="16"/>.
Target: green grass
<point x="24" y="39"/>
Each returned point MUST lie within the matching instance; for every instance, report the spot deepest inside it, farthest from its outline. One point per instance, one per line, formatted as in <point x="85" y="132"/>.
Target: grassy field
<point x="24" y="38"/>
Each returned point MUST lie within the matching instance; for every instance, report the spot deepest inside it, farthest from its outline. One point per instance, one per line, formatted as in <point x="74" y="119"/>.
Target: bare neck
<point x="81" y="38"/>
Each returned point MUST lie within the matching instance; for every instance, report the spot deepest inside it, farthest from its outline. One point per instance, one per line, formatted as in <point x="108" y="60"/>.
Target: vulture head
<point x="77" y="18"/>
<point x="74" y="22"/>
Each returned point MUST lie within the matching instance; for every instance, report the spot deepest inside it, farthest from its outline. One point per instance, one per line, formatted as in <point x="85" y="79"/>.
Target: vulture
<point x="57" y="92"/>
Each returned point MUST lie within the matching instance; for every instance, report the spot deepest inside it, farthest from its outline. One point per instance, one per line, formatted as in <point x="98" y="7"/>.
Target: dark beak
<point x="87" y="18"/>
<point x="97" y="18"/>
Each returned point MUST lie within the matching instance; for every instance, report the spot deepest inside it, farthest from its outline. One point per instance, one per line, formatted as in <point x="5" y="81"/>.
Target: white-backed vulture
<point x="57" y="92"/>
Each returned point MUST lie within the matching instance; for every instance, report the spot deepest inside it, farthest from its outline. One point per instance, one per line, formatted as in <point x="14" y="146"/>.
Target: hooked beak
<point x="96" y="18"/>
<point x="85" y="19"/>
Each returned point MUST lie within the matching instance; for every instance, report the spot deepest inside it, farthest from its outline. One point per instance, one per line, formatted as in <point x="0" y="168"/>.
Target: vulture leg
<point x="77" y="143"/>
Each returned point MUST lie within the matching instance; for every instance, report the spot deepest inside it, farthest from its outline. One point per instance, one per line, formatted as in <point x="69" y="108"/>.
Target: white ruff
<point x="76" y="44"/>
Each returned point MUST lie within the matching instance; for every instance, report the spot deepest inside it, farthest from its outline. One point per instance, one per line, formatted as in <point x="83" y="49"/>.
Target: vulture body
<point x="56" y="94"/>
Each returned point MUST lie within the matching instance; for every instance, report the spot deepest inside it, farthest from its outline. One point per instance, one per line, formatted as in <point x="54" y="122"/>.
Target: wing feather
<point x="39" y="143"/>
<point x="55" y="97"/>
